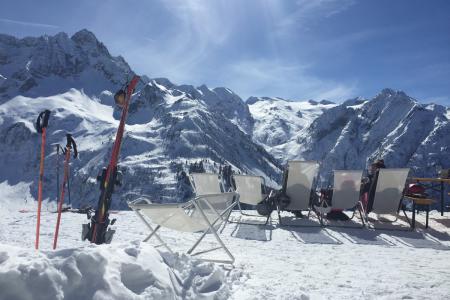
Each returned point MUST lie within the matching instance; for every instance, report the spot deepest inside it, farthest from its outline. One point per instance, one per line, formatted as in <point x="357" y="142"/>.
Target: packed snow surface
<point x="272" y="262"/>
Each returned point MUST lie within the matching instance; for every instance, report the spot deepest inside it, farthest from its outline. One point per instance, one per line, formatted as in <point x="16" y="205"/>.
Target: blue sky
<point x="305" y="49"/>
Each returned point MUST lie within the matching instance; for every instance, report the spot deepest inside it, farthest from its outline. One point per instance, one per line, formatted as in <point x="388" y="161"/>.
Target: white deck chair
<point x="298" y="185"/>
<point x="251" y="191"/>
<point x="206" y="183"/>
<point x="346" y="192"/>
<point x="389" y="192"/>
<point x="204" y="213"/>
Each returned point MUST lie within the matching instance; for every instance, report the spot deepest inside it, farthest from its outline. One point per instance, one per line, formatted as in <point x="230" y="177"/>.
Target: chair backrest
<point x="300" y="178"/>
<point x="346" y="189"/>
<point x="389" y="191"/>
<point x="205" y="183"/>
<point x="249" y="188"/>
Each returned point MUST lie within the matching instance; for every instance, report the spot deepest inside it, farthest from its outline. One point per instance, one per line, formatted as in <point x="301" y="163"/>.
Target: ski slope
<point x="271" y="262"/>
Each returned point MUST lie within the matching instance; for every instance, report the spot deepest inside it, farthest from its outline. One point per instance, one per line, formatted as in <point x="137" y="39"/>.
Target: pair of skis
<point x="41" y="126"/>
<point x="97" y="230"/>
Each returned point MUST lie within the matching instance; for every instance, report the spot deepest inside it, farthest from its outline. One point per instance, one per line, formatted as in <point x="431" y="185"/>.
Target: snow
<point x="20" y="193"/>
<point x="272" y="262"/>
<point x="279" y="123"/>
<point x="121" y="271"/>
<point x="27" y="66"/>
<point x="357" y="106"/>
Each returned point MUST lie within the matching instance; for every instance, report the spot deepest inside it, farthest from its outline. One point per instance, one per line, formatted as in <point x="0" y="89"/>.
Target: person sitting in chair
<point x="370" y="184"/>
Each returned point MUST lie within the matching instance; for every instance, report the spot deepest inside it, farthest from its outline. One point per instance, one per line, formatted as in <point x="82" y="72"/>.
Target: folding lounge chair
<point x="298" y="186"/>
<point x="206" y="183"/>
<point x="251" y="191"/>
<point x="389" y="192"/>
<point x="204" y="213"/>
<point x="346" y="193"/>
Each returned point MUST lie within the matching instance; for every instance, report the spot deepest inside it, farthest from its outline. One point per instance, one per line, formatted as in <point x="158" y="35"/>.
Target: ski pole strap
<point x="71" y="144"/>
<point x="42" y="120"/>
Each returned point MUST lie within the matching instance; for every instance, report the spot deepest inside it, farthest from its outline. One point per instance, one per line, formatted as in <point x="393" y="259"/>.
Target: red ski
<point x="70" y="143"/>
<point x="97" y="231"/>
<point x="41" y="127"/>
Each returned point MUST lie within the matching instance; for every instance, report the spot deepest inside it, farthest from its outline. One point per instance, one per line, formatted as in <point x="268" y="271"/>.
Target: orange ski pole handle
<point x="41" y="126"/>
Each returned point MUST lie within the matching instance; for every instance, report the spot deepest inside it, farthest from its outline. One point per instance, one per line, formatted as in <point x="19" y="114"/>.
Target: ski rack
<point x="97" y="230"/>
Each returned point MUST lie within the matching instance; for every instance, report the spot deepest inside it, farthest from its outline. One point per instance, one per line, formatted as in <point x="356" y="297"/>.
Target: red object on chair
<point x="415" y="189"/>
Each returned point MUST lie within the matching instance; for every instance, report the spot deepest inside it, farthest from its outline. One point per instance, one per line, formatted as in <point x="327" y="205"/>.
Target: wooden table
<point x="420" y="202"/>
<point x="435" y="184"/>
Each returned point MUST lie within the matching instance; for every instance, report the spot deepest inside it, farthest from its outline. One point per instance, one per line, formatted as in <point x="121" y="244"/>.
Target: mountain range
<point x="172" y="128"/>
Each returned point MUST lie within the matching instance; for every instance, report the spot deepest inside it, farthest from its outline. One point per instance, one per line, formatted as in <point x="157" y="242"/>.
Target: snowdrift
<point x="121" y="271"/>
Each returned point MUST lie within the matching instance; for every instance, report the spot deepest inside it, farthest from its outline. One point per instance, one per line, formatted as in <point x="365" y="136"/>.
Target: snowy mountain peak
<point x="85" y="36"/>
<point x="49" y="65"/>
<point x="252" y="100"/>
<point x="354" y="101"/>
<point x="164" y="82"/>
<point x="388" y="93"/>
<point x="326" y="102"/>
<point x="86" y="39"/>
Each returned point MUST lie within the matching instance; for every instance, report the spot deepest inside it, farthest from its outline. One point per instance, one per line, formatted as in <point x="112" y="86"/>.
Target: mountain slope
<point x="279" y="123"/>
<point x="392" y="126"/>
<point x="176" y="128"/>
<point x="169" y="127"/>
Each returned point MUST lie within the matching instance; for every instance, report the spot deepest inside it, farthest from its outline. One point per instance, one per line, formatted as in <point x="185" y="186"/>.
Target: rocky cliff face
<point x="50" y="65"/>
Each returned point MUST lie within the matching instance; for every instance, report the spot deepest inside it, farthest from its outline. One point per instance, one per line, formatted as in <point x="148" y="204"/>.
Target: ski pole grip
<point x="42" y="120"/>
<point x="71" y="144"/>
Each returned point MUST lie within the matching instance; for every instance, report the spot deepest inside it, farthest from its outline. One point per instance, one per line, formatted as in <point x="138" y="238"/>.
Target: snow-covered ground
<point x="272" y="262"/>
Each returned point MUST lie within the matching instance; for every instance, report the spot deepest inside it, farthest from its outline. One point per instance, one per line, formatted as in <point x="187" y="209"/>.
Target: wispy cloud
<point x="284" y="79"/>
<point x="194" y="31"/>
<point x="307" y="13"/>
<point x="443" y="100"/>
<point x="30" y="24"/>
<point x="192" y="51"/>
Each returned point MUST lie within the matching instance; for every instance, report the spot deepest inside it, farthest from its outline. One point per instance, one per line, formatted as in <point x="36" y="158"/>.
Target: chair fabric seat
<point x="301" y="175"/>
<point x="174" y="216"/>
<point x="206" y="183"/>
<point x="389" y="190"/>
<point x="249" y="189"/>
<point x="346" y="190"/>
